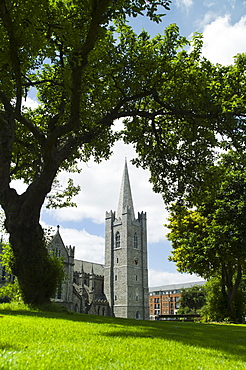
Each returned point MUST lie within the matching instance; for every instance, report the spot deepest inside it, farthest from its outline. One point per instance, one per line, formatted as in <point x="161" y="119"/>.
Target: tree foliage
<point x="215" y="308"/>
<point x="198" y="110"/>
<point x="210" y="238"/>
<point x="192" y="299"/>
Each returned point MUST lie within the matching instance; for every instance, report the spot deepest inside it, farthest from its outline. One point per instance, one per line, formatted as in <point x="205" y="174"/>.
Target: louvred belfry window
<point x="117" y="240"/>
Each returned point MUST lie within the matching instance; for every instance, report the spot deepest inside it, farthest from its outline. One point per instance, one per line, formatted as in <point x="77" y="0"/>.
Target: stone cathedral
<point x="120" y="287"/>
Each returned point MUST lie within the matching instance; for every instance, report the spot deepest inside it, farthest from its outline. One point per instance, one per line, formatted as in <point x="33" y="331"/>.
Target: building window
<point x="136" y="262"/>
<point x="135" y="241"/>
<point x="137" y="298"/>
<point x="117" y="260"/>
<point x="57" y="252"/>
<point x="115" y="297"/>
<point x="117" y="240"/>
<point x="115" y="278"/>
<point x="136" y="278"/>
<point x="59" y="292"/>
<point x="137" y="315"/>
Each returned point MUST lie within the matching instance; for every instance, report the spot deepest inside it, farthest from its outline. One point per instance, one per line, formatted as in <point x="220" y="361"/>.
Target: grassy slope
<point x="42" y="340"/>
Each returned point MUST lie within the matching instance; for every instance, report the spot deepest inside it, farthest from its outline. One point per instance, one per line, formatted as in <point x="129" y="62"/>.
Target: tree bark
<point x="37" y="274"/>
<point x="230" y="288"/>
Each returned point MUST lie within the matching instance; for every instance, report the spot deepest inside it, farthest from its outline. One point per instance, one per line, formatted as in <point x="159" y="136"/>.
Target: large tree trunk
<point x="230" y="288"/>
<point x="37" y="273"/>
<point x="37" y="276"/>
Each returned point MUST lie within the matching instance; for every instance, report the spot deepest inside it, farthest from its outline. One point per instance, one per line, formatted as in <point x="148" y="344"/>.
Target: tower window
<point x="57" y="252"/>
<point x="117" y="240"/>
<point x="115" y="278"/>
<point x="136" y="262"/>
<point x="135" y="245"/>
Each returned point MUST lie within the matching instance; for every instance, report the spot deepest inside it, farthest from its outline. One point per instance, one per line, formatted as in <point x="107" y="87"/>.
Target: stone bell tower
<point x="126" y="273"/>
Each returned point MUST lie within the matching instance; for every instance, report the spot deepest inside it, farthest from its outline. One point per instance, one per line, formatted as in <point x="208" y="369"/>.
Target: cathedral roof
<point x="88" y="267"/>
<point x="125" y="199"/>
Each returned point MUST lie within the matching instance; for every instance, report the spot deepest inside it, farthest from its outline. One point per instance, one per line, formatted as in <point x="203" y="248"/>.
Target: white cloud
<point x="207" y="19"/>
<point x="88" y="247"/>
<point x="30" y="103"/>
<point x="100" y="188"/>
<point x="157" y="278"/>
<point x="19" y="186"/>
<point x="186" y="3"/>
<point x="223" y="40"/>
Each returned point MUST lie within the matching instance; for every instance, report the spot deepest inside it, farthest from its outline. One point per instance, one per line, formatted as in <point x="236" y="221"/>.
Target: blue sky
<point x="223" y="24"/>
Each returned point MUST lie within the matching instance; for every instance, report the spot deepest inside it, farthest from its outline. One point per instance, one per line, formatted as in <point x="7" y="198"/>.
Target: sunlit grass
<point x="56" y="340"/>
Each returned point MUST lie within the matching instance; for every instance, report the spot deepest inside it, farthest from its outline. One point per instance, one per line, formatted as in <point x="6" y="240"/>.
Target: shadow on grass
<point x="229" y="339"/>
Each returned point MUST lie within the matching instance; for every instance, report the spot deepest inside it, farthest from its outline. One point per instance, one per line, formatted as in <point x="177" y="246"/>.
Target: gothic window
<point x="117" y="240"/>
<point x="57" y="252"/>
<point x="59" y="292"/>
<point x="135" y="241"/>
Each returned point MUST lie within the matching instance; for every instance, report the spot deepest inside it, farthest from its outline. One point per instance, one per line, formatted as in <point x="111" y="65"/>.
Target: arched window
<point x="117" y="240"/>
<point x="137" y="315"/>
<point x="135" y="245"/>
<point x="59" y="292"/>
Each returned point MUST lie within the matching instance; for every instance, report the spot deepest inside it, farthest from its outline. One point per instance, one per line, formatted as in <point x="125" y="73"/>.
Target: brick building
<point x="164" y="300"/>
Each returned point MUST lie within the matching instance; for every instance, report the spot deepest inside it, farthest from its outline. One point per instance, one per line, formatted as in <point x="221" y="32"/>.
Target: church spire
<point x="125" y="199"/>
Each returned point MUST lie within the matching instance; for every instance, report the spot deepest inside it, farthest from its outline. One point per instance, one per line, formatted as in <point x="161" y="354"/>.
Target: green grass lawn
<point x="44" y="340"/>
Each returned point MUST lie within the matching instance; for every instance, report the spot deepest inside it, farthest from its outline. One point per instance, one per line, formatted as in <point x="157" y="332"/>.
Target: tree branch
<point x="14" y="55"/>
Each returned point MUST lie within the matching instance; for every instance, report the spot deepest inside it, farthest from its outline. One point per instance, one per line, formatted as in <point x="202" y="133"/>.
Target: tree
<point x="192" y="299"/>
<point x="215" y="308"/>
<point x="84" y="80"/>
<point x="210" y="239"/>
<point x="203" y="110"/>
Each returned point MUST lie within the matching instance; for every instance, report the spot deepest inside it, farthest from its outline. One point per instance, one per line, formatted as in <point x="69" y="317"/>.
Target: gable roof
<point x="88" y="267"/>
